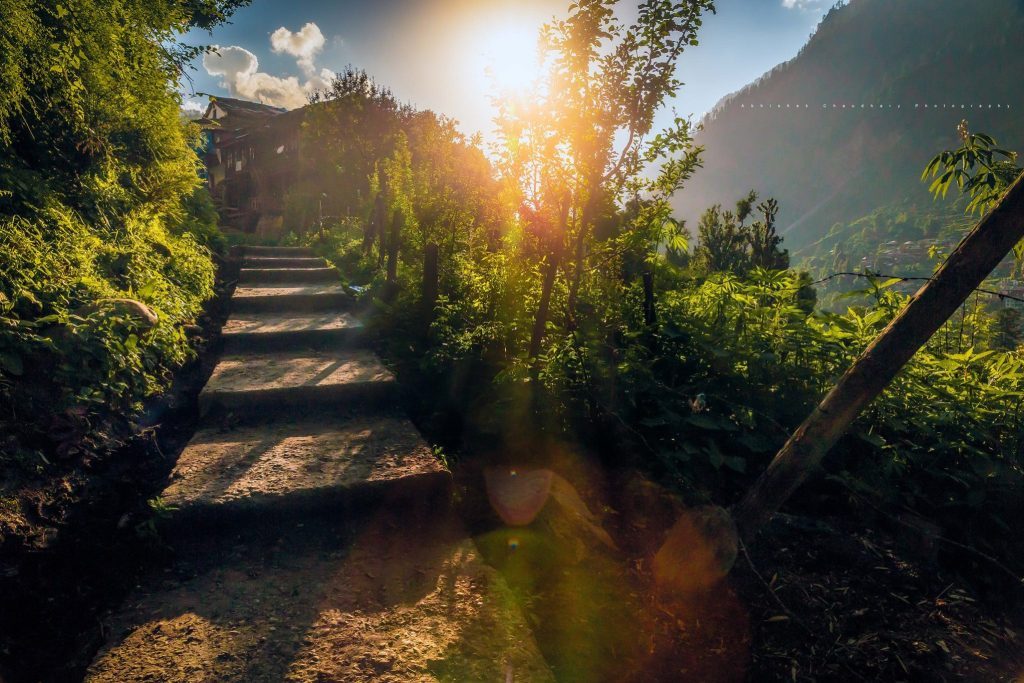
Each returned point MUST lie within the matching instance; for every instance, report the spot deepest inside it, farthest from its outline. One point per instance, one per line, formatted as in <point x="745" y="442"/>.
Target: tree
<point x="728" y="244"/>
<point x="981" y="170"/>
<point x="765" y="243"/>
<point x="374" y="157"/>
<point x="996" y="187"/>
<point x="975" y="168"/>
<point x="723" y="242"/>
<point x="574" y="149"/>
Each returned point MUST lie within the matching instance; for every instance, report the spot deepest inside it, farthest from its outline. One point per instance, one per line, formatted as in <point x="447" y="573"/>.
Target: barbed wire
<point x="906" y="278"/>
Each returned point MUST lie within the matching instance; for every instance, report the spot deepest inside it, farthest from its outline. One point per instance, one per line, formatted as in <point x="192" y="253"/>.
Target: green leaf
<point x="705" y="421"/>
<point x="715" y="456"/>
<point x="872" y="438"/>
<point x="11" y="363"/>
<point x="736" y="464"/>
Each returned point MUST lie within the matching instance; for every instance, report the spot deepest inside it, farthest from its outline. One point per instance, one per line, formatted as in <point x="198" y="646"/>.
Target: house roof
<point x="232" y="105"/>
<point x="240" y="113"/>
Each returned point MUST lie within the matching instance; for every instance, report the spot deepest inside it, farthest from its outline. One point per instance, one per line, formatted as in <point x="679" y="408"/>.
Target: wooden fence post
<point x="430" y="280"/>
<point x="965" y="269"/>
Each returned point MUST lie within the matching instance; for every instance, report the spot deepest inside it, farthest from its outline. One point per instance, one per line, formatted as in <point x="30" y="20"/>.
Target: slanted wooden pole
<point x="430" y="280"/>
<point x="969" y="264"/>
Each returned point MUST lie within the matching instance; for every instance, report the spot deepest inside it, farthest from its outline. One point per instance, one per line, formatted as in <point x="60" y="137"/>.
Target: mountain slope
<point x="843" y="128"/>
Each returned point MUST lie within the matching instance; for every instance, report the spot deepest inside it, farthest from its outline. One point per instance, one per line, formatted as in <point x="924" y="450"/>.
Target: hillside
<point x="843" y="129"/>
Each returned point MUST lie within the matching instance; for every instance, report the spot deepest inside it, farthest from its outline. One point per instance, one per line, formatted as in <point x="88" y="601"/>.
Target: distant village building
<point x="1012" y="288"/>
<point x="251" y="153"/>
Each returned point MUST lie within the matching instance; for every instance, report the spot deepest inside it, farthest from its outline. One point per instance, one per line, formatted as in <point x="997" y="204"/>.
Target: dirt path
<point x="313" y="530"/>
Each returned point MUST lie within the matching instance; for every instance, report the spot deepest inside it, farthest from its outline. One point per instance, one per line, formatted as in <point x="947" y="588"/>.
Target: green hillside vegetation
<point x="830" y="165"/>
<point x="104" y="232"/>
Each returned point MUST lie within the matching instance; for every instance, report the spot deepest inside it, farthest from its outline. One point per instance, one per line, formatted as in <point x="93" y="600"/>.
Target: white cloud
<point x="193" y="107"/>
<point x="304" y="44"/>
<point x="240" y="74"/>
<point x="802" y="4"/>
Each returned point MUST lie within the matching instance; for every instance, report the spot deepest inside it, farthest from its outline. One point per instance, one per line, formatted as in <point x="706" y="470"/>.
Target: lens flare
<point x="516" y="495"/>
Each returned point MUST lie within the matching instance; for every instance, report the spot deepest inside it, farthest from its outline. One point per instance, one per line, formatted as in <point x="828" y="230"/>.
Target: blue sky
<point x="453" y="56"/>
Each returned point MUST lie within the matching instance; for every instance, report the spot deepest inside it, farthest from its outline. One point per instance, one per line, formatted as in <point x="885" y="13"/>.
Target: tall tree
<point x="765" y="243"/>
<point x="722" y="246"/>
<point x="575" y="147"/>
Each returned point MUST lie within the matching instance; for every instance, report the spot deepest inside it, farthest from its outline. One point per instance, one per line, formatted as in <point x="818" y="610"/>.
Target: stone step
<point x="401" y="595"/>
<point x="291" y="298"/>
<point x="267" y="331"/>
<point x="271" y="275"/>
<point x="272" y="470"/>
<point x="294" y="252"/>
<point x="283" y="262"/>
<point x="254" y="386"/>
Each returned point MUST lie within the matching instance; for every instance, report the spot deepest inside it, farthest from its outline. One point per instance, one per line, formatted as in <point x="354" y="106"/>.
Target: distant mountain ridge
<point x="849" y="123"/>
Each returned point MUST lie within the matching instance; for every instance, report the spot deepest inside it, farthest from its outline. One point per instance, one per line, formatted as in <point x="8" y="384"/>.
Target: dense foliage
<point x="104" y="231"/>
<point x="570" y="304"/>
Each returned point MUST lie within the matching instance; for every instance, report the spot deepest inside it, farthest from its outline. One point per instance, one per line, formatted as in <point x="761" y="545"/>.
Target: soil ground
<point x="392" y="597"/>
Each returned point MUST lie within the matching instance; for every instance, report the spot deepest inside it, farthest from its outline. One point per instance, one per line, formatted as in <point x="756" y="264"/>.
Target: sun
<point x="507" y="56"/>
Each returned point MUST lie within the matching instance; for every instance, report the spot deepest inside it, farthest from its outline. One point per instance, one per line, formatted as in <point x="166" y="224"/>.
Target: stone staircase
<point x="314" y="418"/>
<point x="314" y="534"/>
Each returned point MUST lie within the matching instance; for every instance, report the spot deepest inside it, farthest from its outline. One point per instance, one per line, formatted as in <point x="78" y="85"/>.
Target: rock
<point x="571" y="518"/>
<point x="698" y="552"/>
<point x="648" y="510"/>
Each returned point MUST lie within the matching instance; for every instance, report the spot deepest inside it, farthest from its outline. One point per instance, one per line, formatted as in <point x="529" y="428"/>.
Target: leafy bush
<point x="105" y="234"/>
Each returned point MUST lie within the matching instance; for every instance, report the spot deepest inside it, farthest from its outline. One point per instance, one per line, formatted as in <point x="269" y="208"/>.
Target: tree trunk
<point x="430" y="280"/>
<point x="577" y="276"/>
<point x="396" y="231"/>
<point x="969" y="264"/>
<point x="541" y="322"/>
<point x="554" y="259"/>
<point x="650" y="317"/>
<point x="375" y="223"/>
<point x="577" y="272"/>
